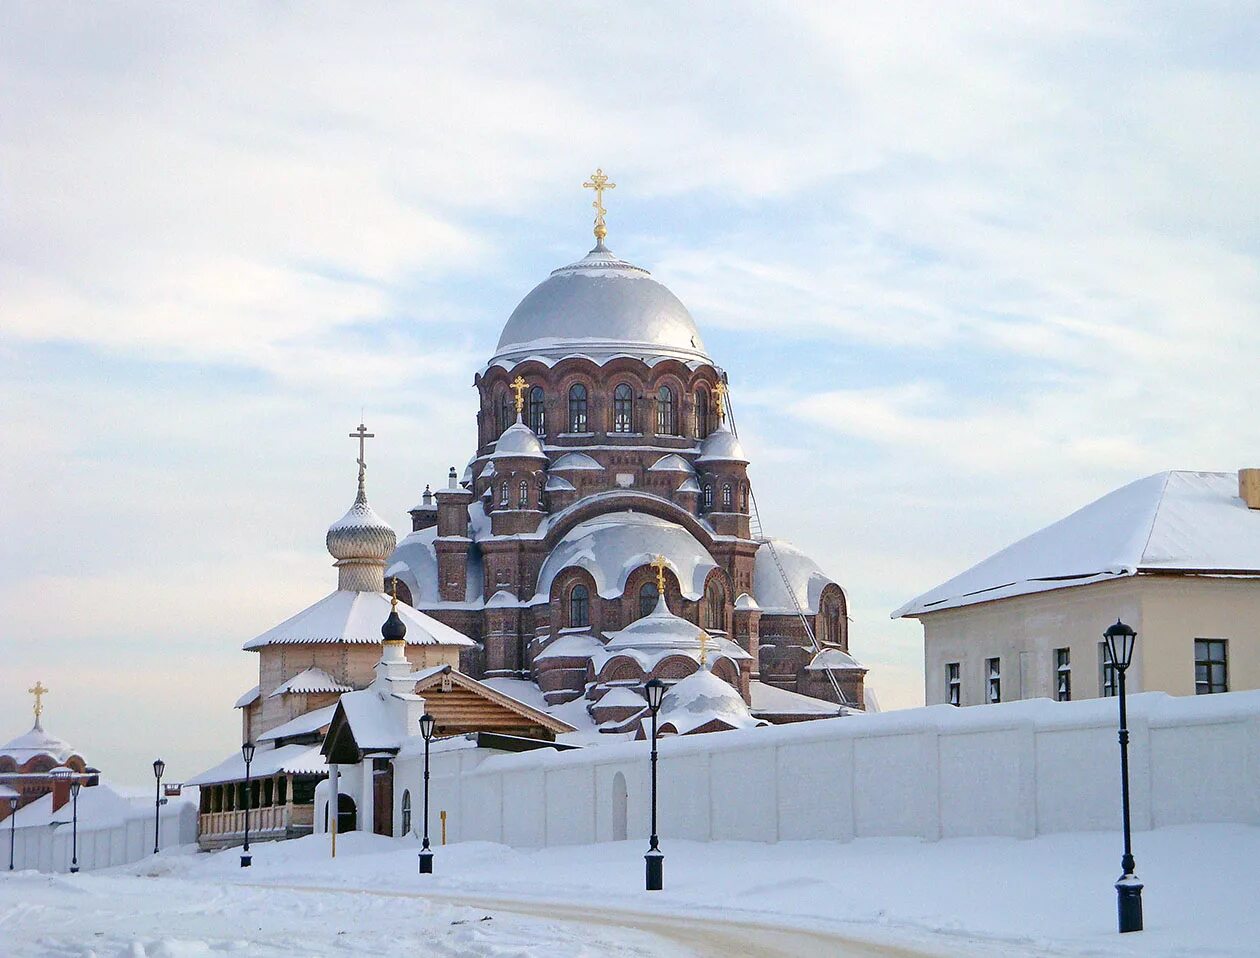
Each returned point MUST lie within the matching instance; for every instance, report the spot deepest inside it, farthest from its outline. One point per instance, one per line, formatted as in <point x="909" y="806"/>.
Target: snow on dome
<point x="575" y="460"/>
<point x="1171" y="521"/>
<point x="361" y="533"/>
<point x="834" y="659"/>
<point x="808" y="580"/>
<point x="414" y="563"/>
<point x="701" y="698"/>
<point x="36" y="742"/>
<point x="519" y="441"/>
<point x="661" y="629"/>
<point x="672" y="463"/>
<point x="599" y="306"/>
<point x="558" y="484"/>
<point x="613" y="545"/>
<point x="690" y="484"/>
<point x="355" y="618"/>
<point x="721" y="445"/>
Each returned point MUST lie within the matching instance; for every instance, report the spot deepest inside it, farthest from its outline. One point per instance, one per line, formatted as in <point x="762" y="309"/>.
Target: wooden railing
<point x="273" y="819"/>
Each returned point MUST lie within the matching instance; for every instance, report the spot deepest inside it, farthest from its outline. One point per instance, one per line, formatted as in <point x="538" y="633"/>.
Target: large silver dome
<point x="600" y="306"/>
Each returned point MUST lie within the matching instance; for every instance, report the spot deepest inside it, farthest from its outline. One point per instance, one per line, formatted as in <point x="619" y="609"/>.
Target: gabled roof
<point x="311" y="680"/>
<point x="305" y="724"/>
<point x="292" y="759"/>
<point x="355" y="617"/>
<point x="1169" y="522"/>
<point x="433" y="679"/>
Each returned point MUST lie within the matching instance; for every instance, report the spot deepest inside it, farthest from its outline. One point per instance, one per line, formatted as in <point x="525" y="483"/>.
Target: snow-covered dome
<point x="834" y="659"/>
<point x="518" y="440"/>
<point x="701" y="698"/>
<point x="36" y="742"/>
<point x="661" y="629"/>
<point x="721" y="445"/>
<point x="361" y="533"/>
<point x="808" y="580"/>
<point x="600" y="306"/>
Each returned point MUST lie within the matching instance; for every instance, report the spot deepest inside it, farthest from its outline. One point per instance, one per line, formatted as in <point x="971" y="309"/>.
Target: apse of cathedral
<point x="604" y="530"/>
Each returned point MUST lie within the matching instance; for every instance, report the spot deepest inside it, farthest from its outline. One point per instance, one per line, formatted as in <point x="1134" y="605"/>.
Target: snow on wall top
<point x="355" y="617"/>
<point x="1171" y="521"/>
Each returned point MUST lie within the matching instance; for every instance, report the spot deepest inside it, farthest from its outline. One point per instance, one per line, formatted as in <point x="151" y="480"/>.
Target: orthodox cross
<point x="39" y="692"/>
<point x="599" y="182"/>
<point x="704" y="647"/>
<point x="362" y="435"/>
<point x="659" y="565"/>
<point x="518" y="386"/>
<point x="719" y="400"/>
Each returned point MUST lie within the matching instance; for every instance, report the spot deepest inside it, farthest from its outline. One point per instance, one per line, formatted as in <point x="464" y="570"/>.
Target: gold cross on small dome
<point x="39" y="692"/>
<point x="719" y="400"/>
<point x="599" y="182"/>
<point x="704" y="648"/>
<point x="518" y="386"/>
<point x="659" y="565"/>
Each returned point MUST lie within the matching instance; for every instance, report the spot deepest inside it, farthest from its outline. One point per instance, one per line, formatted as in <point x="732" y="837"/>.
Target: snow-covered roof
<point x="672" y="463"/>
<point x="373" y="723"/>
<point x="291" y="759"/>
<point x="558" y="484"/>
<point x="304" y="724"/>
<point x="599" y="305"/>
<point x="37" y="742"/>
<point x="248" y="698"/>
<point x="690" y="484"/>
<point x="310" y="680"/>
<point x="721" y="445"/>
<point x="611" y="546"/>
<point x="100" y="805"/>
<point x="574" y="461"/>
<point x="622" y="697"/>
<point x="834" y="659"/>
<point x="355" y="617"/>
<point x="769" y="700"/>
<point x="518" y="441"/>
<point x="701" y="698"/>
<point x="808" y="580"/>
<point x="661" y="630"/>
<point x="580" y="646"/>
<point x="487" y="472"/>
<point x="1169" y="522"/>
<point x="415" y="564"/>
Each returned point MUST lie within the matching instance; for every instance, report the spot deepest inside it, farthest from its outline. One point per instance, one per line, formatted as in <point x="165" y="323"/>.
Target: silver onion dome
<point x="600" y="306"/>
<point x="361" y="533"/>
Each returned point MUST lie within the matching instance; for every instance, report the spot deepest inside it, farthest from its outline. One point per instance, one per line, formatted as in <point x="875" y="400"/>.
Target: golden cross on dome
<point x="518" y="386"/>
<point x="719" y="399"/>
<point x="393" y="600"/>
<point x="599" y="182"/>
<point x="659" y="565"/>
<point x="704" y="648"/>
<point x="362" y="435"/>
<point x="39" y="692"/>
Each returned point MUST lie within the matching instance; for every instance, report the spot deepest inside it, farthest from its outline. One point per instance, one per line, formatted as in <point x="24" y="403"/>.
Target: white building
<point x="1175" y="555"/>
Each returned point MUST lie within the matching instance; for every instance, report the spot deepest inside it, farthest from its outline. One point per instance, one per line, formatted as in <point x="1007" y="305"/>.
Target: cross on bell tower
<point x="362" y="435"/>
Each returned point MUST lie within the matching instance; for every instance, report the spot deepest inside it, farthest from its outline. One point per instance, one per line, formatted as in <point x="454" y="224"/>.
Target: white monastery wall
<point x="1017" y="769"/>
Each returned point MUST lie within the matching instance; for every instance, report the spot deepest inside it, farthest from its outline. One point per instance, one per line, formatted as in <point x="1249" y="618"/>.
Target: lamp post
<point x="13" y="805"/>
<point x="427" y="723"/>
<point x="655" y="860"/>
<point x="247" y="753"/>
<point x="64" y="774"/>
<point x="159" y="767"/>
<point x="1120" y="641"/>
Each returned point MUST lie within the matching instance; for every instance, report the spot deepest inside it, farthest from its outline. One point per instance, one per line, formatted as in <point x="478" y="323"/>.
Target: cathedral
<point x="604" y="530"/>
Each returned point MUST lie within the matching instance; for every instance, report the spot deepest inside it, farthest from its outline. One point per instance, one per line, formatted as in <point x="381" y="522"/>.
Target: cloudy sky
<point x="969" y="266"/>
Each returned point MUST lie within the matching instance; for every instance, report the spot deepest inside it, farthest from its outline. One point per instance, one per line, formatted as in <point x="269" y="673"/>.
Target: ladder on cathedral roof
<point x="754" y="522"/>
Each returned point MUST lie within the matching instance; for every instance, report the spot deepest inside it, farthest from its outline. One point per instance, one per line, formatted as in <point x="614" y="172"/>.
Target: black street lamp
<point x="63" y="774"/>
<point x="655" y="690"/>
<point x="1120" y="641"/>
<point x="159" y="767"/>
<point x="13" y="804"/>
<point x="247" y="753"/>
<point x="427" y="723"/>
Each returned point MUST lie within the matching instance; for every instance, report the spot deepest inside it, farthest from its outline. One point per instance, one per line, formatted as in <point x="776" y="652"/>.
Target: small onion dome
<point x="394" y="629"/>
<point x="518" y="441"/>
<point x="721" y="445"/>
<point x="361" y="533"/>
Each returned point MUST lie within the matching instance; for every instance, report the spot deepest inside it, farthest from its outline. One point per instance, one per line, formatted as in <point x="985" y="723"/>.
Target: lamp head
<point x="427" y="724"/>
<point x="247" y="752"/>
<point x="1120" y="641"/>
<point x="74" y="788"/>
<point x="158" y="768"/>
<point x="13" y="802"/>
<point x="655" y="692"/>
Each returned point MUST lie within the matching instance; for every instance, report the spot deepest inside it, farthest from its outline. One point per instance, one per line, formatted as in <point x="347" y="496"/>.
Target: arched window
<point x="665" y="422"/>
<point x="577" y="408"/>
<point x="537" y="411"/>
<point x="406" y="811"/>
<point x="743" y="497"/>
<point x="648" y="594"/>
<point x="503" y="495"/>
<point x="708" y="495"/>
<point x="623" y="409"/>
<point x="726" y="497"/>
<point x="579" y="607"/>
<point x="702" y="413"/>
<point x="522" y="501"/>
<point x="507" y="412"/>
<point x="715" y="608"/>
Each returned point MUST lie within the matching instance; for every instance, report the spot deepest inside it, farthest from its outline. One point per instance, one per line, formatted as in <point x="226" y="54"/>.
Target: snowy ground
<point x="984" y="897"/>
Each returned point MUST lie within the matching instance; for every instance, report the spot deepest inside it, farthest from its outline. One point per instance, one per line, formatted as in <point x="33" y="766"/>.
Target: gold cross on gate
<point x="719" y="400"/>
<point x="599" y="182"/>
<point x="659" y="565"/>
<point x="362" y="435"/>
<point x="518" y="386"/>
<point x="704" y="647"/>
<point x="39" y="692"/>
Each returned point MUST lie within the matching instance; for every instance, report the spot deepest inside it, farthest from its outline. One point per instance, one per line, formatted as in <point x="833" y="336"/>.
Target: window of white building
<point x="1063" y="674"/>
<point x="995" y="680"/>
<point x="1107" y="681"/>
<point x="953" y="684"/>
<point x="1210" y="666"/>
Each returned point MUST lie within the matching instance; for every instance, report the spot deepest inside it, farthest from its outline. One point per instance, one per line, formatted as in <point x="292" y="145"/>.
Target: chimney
<point x="1249" y="487"/>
